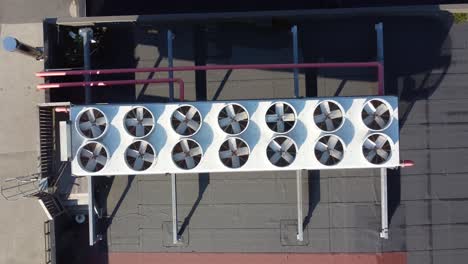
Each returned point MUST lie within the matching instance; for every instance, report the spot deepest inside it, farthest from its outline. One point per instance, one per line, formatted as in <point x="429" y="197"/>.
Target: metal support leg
<point x="175" y="229"/>
<point x="170" y="62"/>
<point x="295" y="60"/>
<point x="300" y="224"/>
<point x="384" y="203"/>
<point x="87" y="35"/>
<point x="380" y="44"/>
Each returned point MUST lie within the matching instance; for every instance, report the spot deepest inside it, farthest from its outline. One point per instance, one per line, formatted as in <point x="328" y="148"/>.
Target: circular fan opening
<point x="281" y="151"/>
<point x="377" y="149"/>
<point x="139" y="122"/>
<point x="186" y="120"/>
<point x="92" y="157"/>
<point x="328" y="116"/>
<point x="187" y="154"/>
<point x="140" y="155"/>
<point x="281" y="117"/>
<point x="376" y="114"/>
<point x="329" y="150"/>
<point x="91" y="123"/>
<point x="233" y="119"/>
<point x="234" y="153"/>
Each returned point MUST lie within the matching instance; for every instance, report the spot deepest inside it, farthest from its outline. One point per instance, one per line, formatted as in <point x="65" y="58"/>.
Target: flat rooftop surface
<point x="426" y="62"/>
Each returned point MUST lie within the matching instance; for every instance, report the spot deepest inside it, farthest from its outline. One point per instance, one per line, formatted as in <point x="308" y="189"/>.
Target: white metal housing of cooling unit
<point x="353" y="144"/>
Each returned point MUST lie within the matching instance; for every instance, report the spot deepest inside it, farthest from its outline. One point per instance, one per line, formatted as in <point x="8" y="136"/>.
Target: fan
<point x="186" y="120"/>
<point x="234" y="152"/>
<point x="186" y="154"/>
<point x="92" y="156"/>
<point x="92" y="123"/>
<point x="281" y="117"/>
<point x="329" y="150"/>
<point x="140" y="155"/>
<point x="233" y="119"/>
<point x="281" y="151"/>
<point x="139" y="122"/>
<point x="376" y="114"/>
<point x="377" y="149"/>
<point x="328" y="116"/>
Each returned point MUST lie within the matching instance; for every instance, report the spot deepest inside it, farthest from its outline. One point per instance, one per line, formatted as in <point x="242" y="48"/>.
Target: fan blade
<point x="369" y="108"/>
<point x="101" y="121"/>
<point x="382" y="153"/>
<point x="289" y="117"/>
<point x="279" y="109"/>
<point x="319" y="118"/>
<point x="185" y="146"/>
<point x="101" y="160"/>
<point x="232" y="144"/>
<point x="369" y="144"/>
<point x="280" y="126"/>
<point x="371" y="155"/>
<point x="190" y="162"/>
<point x="143" y="147"/>
<point x="241" y="116"/>
<point x="230" y="111"/>
<point x="225" y="122"/>
<point x="86" y="153"/>
<point x="225" y="154"/>
<point x="147" y="122"/>
<point x="242" y="151"/>
<point x="332" y="142"/>
<point x="368" y="120"/>
<point x="179" y="156"/>
<point x="271" y="118"/>
<point x="140" y="130"/>
<point x="133" y="153"/>
<point x="275" y="158"/>
<point x="148" y="157"/>
<point x="90" y="114"/>
<point x="235" y="162"/>
<point x="274" y="146"/>
<point x="181" y="128"/>
<point x="91" y="165"/>
<point x="138" y="165"/>
<point x="286" y="145"/>
<point x="131" y="122"/>
<point x="336" y="154"/>
<point x="379" y="121"/>
<point x="380" y="141"/>
<point x="320" y="146"/>
<point x="191" y="113"/>
<point x="324" y="157"/>
<point x="335" y="114"/>
<point x="288" y="157"/>
<point x="236" y="129"/>
<point x="325" y="107"/>
<point x="195" y="152"/>
<point x="329" y="124"/>
<point x="381" y="109"/>
<point x="97" y="149"/>
<point x="193" y="125"/>
<point x="85" y="126"/>
<point x="95" y="131"/>
<point x="179" y="116"/>
<point x="139" y="113"/>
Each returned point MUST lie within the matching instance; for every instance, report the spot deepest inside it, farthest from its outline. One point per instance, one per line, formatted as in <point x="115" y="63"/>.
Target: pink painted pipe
<point x="118" y="82"/>
<point x="376" y="64"/>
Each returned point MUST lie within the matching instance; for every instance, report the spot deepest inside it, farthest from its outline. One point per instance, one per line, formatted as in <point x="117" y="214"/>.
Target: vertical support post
<point x="380" y="54"/>
<point x="87" y="35"/>
<point x="295" y="60"/>
<point x="300" y="224"/>
<point x="91" y="217"/>
<point x="383" y="171"/>
<point x="175" y="229"/>
<point x="170" y="62"/>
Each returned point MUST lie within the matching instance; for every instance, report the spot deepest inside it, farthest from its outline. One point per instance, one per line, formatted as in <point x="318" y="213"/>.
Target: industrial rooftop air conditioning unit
<point x="281" y="117"/>
<point x="186" y="120"/>
<point x="187" y="154"/>
<point x="281" y="151"/>
<point x="233" y="119"/>
<point x="234" y="152"/>
<point x="140" y="155"/>
<point x="139" y="122"/>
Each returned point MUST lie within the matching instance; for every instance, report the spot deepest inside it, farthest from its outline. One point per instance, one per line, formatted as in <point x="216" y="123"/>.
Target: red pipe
<point x="118" y="82"/>
<point x="228" y="67"/>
